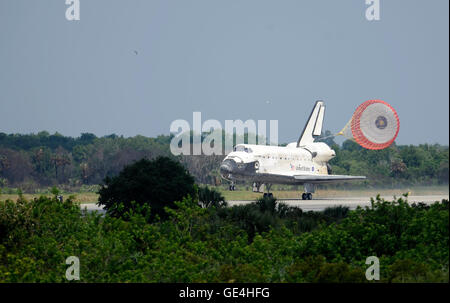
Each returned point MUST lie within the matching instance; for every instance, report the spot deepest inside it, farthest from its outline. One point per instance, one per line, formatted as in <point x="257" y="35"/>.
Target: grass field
<point x="87" y="197"/>
<point x="242" y="194"/>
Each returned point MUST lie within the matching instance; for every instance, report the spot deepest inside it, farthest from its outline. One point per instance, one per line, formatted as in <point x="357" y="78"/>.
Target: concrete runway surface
<point x="322" y="203"/>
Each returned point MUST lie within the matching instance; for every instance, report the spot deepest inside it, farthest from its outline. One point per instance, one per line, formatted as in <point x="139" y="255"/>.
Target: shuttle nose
<point x="227" y="167"/>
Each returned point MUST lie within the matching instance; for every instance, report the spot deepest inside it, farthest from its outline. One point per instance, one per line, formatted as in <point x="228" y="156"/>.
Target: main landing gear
<point x="307" y="196"/>
<point x="309" y="189"/>
<point x="232" y="187"/>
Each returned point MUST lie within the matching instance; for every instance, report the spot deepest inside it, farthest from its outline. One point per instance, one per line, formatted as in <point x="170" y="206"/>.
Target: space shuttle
<point x="304" y="162"/>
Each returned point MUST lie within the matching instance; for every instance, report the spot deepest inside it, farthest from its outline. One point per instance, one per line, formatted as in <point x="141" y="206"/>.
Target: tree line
<point x="32" y="161"/>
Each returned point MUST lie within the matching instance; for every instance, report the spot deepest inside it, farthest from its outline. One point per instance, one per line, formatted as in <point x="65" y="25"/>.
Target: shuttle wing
<point x="326" y="178"/>
<point x="306" y="178"/>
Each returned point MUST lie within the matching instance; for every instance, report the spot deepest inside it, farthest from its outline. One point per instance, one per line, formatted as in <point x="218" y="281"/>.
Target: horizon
<point x="338" y="140"/>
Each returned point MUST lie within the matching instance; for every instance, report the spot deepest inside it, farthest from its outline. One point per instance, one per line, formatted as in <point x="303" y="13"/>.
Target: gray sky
<point x="223" y="58"/>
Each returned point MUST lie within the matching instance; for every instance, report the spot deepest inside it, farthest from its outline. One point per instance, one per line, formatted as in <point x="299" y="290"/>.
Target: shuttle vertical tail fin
<point x="313" y="127"/>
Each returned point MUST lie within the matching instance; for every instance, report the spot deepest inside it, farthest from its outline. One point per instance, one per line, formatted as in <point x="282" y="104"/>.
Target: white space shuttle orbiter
<point x="304" y="162"/>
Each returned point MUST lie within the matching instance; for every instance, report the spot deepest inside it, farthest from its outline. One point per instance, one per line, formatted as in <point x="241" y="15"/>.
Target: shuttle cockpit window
<point x="239" y="148"/>
<point x="243" y="149"/>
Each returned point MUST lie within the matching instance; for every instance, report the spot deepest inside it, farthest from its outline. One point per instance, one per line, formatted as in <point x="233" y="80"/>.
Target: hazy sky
<point x="225" y="58"/>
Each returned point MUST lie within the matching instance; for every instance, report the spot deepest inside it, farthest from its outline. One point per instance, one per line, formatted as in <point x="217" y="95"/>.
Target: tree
<point x="157" y="183"/>
<point x="60" y="160"/>
<point x="87" y="138"/>
<point x="398" y="168"/>
<point x="4" y="163"/>
<point x="443" y="172"/>
<point x="210" y="198"/>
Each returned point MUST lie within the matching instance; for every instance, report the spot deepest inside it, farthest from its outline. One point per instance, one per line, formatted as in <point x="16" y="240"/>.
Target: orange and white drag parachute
<point x="374" y="125"/>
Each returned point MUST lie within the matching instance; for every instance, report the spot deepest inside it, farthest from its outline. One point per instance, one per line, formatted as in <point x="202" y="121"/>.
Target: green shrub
<point x="158" y="183"/>
<point x="250" y="243"/>
<point x="210" y="197"/>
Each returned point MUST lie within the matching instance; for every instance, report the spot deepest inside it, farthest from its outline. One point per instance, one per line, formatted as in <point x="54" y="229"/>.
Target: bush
<point x="212" y="244"/>
<point x="210" y="198"/>
<point x="158" y="183"/>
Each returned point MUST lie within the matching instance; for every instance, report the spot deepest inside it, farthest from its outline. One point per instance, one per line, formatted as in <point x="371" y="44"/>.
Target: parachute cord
<point x="324" y="138"/>
<point x="341" y="133"/>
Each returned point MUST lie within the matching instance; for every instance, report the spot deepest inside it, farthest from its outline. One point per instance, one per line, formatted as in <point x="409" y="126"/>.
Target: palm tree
<point x="210" y="198"/>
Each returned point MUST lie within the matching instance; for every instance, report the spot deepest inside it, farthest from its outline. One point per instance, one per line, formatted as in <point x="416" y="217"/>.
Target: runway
<point x="319" y="204"/>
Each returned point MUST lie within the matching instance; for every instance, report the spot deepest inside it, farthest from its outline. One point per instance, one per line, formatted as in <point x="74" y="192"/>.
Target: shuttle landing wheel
<point x="306" y="196"/>
<point x="268" y="195"/>
<point x="232" y="188"/>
